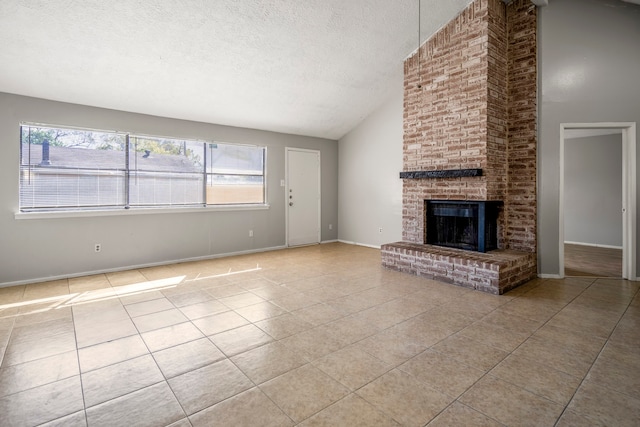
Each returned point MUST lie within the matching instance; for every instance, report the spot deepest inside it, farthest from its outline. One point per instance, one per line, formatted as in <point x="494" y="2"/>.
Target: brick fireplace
<point x="463" y="224"/>
<point x="470" y="135"/>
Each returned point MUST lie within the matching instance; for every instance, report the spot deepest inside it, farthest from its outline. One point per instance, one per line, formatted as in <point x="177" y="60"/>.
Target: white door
<point x="303" y="197"/>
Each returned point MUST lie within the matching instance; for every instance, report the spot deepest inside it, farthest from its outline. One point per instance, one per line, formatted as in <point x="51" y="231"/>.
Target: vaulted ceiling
<point x="309" y="67"/>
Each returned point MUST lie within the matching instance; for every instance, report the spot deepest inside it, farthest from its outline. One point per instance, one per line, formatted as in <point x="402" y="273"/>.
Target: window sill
<point x="136" y="211"/>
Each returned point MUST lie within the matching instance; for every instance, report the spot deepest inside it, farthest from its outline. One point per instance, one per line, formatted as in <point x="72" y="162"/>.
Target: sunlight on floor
<point x="91" y="296"/>
<point x="68" y="300"/>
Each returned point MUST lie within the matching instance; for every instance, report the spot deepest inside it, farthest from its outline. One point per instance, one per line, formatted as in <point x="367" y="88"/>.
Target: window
<point x="71" y="169"/>
<point x="165" y="172"/>
<point x="235" y="174"/>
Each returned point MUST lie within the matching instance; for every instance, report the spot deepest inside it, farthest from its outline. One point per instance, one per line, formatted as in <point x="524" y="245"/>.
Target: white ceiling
<point x="310" y="67"/>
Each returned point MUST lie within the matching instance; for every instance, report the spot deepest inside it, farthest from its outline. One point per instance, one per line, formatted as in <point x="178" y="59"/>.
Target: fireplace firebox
<point x="463" y="224"/>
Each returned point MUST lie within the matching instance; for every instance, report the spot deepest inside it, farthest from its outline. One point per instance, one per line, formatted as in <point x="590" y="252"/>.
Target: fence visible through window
<point x="72" y="169"/>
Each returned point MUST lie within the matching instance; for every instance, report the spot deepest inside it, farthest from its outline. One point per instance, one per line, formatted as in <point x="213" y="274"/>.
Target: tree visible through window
<point x="70" y="169"/>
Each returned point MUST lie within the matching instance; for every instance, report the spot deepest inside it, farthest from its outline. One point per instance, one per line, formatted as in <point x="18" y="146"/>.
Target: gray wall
<point x="589" y="60"/>
<point x="37" y="249"/>
<point x="593" y="190"/>
<point x="370" y="188"/>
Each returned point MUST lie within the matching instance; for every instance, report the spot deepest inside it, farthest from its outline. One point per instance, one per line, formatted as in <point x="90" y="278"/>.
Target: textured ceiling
<point x="310" y="67"/>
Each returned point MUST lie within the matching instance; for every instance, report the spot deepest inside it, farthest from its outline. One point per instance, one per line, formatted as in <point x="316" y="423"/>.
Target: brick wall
<point x="475" y="109"/>
<point x="497" y="119"/>
<point x="521" y="195"/>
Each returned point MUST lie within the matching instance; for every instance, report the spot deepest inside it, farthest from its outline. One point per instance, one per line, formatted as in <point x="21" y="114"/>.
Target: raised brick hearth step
<point x="495" y="272"/>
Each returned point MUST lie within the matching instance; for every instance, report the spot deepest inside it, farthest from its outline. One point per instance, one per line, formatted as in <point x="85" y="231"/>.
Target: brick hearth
<point x="471" y="105"/>
<point x="495" y="272"/>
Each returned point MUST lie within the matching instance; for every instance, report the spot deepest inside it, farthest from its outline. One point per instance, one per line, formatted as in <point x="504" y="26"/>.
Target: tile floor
<point x="316" y="336"/>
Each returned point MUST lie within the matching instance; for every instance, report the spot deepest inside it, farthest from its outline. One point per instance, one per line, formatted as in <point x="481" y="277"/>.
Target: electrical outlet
<point x="250" y="233"/>
<point x="97" y="247"/>
<point x="330" y="226"/>
<point x="380" y="230"/>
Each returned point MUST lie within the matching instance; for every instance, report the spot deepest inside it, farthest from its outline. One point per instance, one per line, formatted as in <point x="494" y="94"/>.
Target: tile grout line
<point x="457" y="399"/>
<point x="75" y="338"/>
<point x="166" y="381"/>
<point x="229" y="358"/>
<point x="226" y="357"/>
<point x="510" y="353"/>
<point x="392" y="367"/>
<point x="584" y="378"/>
<point x="604" y="346"/>
<point x="536" y="330"/>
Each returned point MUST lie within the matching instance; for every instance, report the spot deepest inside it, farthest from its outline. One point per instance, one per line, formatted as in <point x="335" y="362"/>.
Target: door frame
<point x="629" y="207"/>
<point x="287" y="150"/>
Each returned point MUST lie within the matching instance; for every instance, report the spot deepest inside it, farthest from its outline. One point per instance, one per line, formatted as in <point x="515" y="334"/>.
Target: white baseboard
<point x="595" y="245"/>
<point x="329" y="241"/>
<point x="133" y="267"/>
<point x="358" y="244"/>
<point x="550" y="276"/>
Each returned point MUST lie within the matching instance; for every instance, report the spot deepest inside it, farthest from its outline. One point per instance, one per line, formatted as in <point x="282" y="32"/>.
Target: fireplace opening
<point x="462" y="224"/>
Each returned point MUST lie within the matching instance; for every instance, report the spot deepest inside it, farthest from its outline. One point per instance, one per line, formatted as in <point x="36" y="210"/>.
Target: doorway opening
<point x="597" y="200"/>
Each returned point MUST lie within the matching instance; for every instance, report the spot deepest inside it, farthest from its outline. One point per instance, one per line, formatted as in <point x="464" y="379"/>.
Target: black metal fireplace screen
<point x="462" y="224"/>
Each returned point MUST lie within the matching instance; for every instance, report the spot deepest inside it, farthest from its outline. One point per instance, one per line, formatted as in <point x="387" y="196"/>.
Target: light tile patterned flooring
<point x="316" y="336"/>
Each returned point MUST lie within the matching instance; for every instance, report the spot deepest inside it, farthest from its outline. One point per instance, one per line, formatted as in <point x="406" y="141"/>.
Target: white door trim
<point x="287" y="150"/>
<point x="629" y="207"/>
